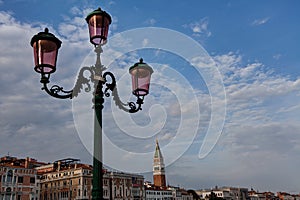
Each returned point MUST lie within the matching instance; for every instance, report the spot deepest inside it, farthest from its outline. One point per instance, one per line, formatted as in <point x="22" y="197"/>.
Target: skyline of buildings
<point x="64" y="179"/>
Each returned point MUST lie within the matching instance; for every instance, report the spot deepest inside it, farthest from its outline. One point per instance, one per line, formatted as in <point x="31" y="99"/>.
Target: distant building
<point x="157" y="193"/>
<point x="125" y="186"/>
<point x="287" y="196"/>
<point x="68" y="179"/>
<point x="65" y="179"/>
<point x="227" y="193"/>
<point x="255" y="195"/>
<point x="166" y="193"/>
<point x="18" y="178"/>
<point x="180" y="193"/>
<point x="159" y="177"/>
<point x="205" y="194"/>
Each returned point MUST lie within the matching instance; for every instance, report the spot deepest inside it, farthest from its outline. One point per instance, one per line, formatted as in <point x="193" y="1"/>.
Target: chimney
<point x="58" y="165"/>
<point x="27" y="160"/>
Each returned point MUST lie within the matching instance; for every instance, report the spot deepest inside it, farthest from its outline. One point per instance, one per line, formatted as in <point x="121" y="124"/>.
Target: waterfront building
<point x="227" y="193"/>
<point x="67" y="179"/>
<point x="18" y="178"/>
<point x="287" y="196"/>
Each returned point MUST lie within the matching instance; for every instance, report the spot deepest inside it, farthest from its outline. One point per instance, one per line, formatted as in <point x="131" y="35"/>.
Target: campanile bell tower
<point x="159" y="177"/>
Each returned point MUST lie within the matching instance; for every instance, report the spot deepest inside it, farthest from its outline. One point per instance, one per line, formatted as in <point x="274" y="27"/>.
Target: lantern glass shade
<point x="45" y="55"/>
<point x="45" y="49"/>
<point x="140" y="76"/>
<point x="98" y="22"/>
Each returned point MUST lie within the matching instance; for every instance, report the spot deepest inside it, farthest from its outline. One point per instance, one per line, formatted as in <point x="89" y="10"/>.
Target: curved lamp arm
<point x="130" y="107"/>
<point x="59" y="92"/>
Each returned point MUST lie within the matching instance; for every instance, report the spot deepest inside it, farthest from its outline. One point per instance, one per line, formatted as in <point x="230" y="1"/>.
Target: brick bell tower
<point x="159" y="177"/>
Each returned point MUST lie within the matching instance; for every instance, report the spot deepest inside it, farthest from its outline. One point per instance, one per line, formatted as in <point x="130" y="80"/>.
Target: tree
<point x="213" y="196"/>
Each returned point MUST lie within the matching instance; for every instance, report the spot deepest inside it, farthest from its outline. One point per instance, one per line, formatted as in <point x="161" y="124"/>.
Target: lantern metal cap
<point x="141" y="64"/>
<point x="46" y="36"/>
<point x="98" y="11"/>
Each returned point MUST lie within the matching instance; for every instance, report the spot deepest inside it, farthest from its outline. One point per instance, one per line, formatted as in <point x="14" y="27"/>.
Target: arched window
<point x="9" y="176"/>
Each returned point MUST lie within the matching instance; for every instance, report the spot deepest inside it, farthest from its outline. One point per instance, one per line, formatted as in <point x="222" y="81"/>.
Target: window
<point x="9" y="176"/>
<point x="20" y="179"/>
<point x="32" y="180"/>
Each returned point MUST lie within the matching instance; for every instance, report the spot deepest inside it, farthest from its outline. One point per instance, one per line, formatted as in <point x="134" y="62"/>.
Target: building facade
<point x="227" y="193"/>
<point x="65" y="179"/>
<point x="18" y="179"/>
<point x="124" y="186"/>
<point x="68" y="179"/>
<point x="287" y="196"/>
<point x="153" y="192"/>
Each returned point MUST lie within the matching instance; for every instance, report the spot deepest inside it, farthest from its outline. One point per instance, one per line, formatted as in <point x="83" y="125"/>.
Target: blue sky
<point x="251" y="49"/>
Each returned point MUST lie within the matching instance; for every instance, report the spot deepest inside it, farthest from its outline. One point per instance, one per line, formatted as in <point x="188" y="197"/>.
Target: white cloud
<point x="151" y="22"/>
<point x="30" y="119"/>
<point x="145" y="42"/>
<point x="261" y="130"/>
<point x="200" y="28"/>
<point x="111" y="3"/>
<point x="277" y="56"/>
<point x="259" y="22"/>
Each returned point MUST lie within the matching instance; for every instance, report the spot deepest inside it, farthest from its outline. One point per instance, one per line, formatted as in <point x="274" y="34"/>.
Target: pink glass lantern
<point x="140" y="75"/>
<point x="98" y="22"/>
<point x="45" y="48"/>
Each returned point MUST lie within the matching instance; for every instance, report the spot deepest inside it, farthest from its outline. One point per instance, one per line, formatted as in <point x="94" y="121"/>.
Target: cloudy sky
<point x="224" y="99"/>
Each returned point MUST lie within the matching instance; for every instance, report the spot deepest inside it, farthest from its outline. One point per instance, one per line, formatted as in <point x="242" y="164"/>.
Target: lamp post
<point x="45" y="48"/>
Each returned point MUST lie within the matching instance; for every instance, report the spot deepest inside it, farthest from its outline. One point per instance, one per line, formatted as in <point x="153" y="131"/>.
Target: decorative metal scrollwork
<point x="58" y="92"/>
<point x="133" y="107"/>
<point x="108" y="79"/>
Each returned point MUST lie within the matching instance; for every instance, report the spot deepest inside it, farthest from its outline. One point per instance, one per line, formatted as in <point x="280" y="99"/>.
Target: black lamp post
<point x="45" y="48"/>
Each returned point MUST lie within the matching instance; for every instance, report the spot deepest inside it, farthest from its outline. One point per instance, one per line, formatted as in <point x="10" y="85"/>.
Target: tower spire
<point x="159" y="177"/>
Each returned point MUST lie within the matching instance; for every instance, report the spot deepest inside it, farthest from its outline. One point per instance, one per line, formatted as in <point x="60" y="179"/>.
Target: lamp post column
<point x="97" y="191"/>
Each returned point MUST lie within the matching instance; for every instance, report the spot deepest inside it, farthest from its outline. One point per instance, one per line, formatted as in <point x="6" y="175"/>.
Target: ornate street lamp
<point x="45" y="49"/>
<point x="98" y="22"/>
